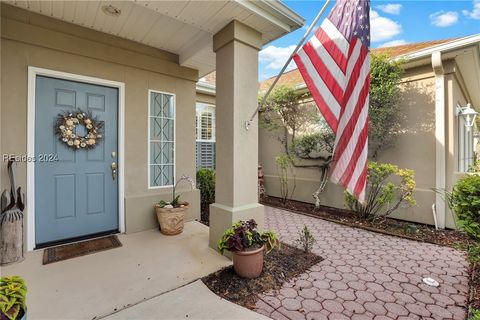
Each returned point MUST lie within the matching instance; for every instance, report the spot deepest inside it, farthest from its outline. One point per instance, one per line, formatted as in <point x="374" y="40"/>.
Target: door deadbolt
<point x="114" y="170"/>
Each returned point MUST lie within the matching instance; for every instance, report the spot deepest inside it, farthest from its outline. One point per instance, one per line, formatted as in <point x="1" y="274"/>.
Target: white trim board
<point x="33" y="72"/>
<point x="440" y="144"/>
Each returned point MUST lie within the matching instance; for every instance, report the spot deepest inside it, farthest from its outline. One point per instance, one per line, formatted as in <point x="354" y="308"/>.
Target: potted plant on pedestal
<point x="12" y="298"/>
<point x="171" y="214"/>
<point x="247" y="246"/>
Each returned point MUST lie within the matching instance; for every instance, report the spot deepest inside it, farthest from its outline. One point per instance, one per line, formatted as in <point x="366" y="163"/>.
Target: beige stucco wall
<point x="32" y="40"/>
<point x="414" y="149"/>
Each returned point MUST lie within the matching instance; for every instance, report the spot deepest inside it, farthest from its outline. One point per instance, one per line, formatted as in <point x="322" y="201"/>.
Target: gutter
<point x="206" y="88"/>
<point x="452" y="45"/>
<point x="275" y="12"/>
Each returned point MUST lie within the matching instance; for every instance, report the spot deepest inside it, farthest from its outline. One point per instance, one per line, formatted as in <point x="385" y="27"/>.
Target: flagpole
<point x="307" y="33"/>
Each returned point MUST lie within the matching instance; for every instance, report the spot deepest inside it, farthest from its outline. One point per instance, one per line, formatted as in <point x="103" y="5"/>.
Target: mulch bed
<point x="424" y="233"/>
<point x="279" y="266"/>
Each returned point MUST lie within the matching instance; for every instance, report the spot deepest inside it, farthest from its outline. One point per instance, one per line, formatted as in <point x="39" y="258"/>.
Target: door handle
<point x="114" y="170"/>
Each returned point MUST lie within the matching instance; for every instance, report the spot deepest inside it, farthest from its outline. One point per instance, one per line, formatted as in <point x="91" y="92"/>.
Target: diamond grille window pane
<point x="167" y="129"/>
<point x="155" y="128"/>
<point x="162" y="139"/>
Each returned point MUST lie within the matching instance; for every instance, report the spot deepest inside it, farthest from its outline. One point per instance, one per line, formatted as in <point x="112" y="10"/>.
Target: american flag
<point x="335" y="65"/>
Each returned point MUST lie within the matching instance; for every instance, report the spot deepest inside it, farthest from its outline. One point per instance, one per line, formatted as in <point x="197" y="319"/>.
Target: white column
<point x="440" y="124"/>
<point x="236" y="194"/>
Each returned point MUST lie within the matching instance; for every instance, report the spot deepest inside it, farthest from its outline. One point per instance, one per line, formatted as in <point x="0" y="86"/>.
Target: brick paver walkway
<point x="366" y="275"/>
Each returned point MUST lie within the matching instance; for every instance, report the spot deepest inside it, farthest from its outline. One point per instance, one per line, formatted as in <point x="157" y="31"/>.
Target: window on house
<point x="465" y="146"/>
<point x="161" y="128"/>
<point x="205" y="124"/>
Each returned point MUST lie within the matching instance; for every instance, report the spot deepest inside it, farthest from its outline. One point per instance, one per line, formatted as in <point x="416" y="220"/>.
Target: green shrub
<point x="464" y="201"/>
<point x="13" y="293"/>
<point x="285" y="168"/>
<point x="315" y="145"/>
<point x="474" y="253"/>
<point x="384" y="111"/>
<point x="474" y="314"/>
<point x="206" y="185"/>
<point x="475" y="167"/>
<point x="388" y="188"/>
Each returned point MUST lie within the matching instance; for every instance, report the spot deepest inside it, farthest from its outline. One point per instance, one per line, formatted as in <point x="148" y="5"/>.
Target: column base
<point x="222" y="218"/>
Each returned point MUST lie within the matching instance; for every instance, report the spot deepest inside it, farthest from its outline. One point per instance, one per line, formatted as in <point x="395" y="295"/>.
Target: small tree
<point x="306" y="240"/>
<point x="284" y="166"/>
<point x="286" y="113"/>
<point x="384" y="109"/>
<point x="286" y="110"/>
<point x="384" y="194"/>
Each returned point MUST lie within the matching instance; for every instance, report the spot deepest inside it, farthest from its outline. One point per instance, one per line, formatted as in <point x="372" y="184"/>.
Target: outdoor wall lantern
<point x="468" y="113"/>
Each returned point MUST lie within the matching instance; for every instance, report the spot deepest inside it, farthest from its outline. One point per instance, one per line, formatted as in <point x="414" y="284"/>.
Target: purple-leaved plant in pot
<point x="247" y="246"/>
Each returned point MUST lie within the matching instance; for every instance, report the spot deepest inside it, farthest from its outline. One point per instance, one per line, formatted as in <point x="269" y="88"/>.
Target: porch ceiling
<point x="182" y="27"/>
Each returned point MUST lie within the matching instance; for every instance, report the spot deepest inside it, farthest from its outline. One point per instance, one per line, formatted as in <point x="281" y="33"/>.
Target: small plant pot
<point x="171" y="220"/>
<point x="248" y="264"/>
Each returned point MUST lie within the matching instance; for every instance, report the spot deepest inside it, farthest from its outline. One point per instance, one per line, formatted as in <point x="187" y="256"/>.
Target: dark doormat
<point x="79" y="249"/>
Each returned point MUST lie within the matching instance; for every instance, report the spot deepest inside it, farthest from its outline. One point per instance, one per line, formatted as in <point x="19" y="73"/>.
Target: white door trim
<point x="33" y="72"/>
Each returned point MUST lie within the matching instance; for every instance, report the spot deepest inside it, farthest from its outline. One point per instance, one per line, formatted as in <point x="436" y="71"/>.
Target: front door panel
<point x="75" y="192"/>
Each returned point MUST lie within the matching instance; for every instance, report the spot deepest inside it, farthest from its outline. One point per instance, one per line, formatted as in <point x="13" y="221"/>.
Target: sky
<point x="392" y="23"/>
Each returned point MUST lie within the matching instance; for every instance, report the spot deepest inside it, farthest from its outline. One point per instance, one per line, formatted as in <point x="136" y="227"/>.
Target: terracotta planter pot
<point x="248" y="264"/>
<point x="171" y="220"/>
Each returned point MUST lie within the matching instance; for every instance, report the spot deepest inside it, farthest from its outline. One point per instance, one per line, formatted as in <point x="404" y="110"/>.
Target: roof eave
<point x="444" y="47"/>
<point x="276" y="13"/>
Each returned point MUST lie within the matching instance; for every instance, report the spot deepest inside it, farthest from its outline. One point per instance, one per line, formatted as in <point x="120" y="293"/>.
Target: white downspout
<point x="440" y="148"/>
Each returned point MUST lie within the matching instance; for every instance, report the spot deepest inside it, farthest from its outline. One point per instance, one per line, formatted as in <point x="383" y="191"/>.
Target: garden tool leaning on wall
<point x="11" y="220"/>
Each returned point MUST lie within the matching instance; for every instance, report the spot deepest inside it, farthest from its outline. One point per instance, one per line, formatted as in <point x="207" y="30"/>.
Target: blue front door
<point x="76" y="192"/>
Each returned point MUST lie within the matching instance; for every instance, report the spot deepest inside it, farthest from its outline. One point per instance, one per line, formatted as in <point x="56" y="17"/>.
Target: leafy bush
<point x="473" y="252"/>
<point x="284" y="109"/>
<point x="285" y="167"/>
<point x="384" y="196"/>
<point x="474" y="314"/>
<point x="475" y="167"/>
<point x="464" y="201"/>
<point x="206" y="185"/>
<point x="306" y="240"/>
<point x="244" y="235"/>
<point x="384" y="109"/>
<point x="315" y="145"/>
<point x="12" y="297"/>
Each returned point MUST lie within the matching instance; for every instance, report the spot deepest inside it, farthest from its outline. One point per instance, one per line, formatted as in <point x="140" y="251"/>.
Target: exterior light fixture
<point x="112" y="11"/>
<point x="469" y="114"/>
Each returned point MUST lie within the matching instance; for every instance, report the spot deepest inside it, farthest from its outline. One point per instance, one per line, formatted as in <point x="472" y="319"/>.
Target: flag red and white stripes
<point x="335" y="65"/>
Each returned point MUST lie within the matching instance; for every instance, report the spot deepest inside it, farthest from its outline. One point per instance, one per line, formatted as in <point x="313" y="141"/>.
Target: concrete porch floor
<point x="147" y="265"/>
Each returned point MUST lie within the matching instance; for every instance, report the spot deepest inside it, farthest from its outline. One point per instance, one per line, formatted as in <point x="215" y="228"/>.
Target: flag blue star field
<point x="352" y="20"/>
<point x="335" y="64"/>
